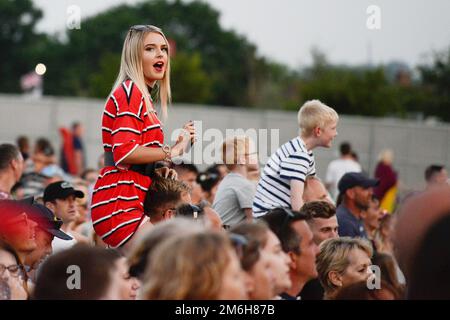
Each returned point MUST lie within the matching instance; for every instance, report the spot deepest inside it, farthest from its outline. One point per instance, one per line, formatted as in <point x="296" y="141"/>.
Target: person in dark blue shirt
<point x="356" y="190"/>
<point x="78" y="146"/>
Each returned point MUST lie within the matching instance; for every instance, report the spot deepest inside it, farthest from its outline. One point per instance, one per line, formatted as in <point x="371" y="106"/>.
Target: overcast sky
<point x="286" y="30"/>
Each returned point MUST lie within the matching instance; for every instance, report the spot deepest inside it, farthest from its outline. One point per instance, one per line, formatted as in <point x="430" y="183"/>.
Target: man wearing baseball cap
<point x="355" y="194"/>
<point x="48" y="227"/>
<point x="16" y="227"/>
<point x="59" y="197"/>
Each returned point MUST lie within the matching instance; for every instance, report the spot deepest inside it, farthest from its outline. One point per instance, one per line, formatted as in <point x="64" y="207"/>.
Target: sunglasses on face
<point x="195" y="211"/>
<point x="190" y="211"/>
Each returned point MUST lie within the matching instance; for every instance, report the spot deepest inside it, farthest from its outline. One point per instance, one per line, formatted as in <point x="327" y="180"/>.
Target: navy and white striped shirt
<point x="291" y="161"/>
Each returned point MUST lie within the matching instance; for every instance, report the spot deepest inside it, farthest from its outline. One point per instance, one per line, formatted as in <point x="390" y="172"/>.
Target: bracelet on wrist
<point x="167" y="150"/>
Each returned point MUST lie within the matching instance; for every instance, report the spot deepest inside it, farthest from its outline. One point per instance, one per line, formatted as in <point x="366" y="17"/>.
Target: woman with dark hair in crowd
<point x="371" y="217"/>
<point x="383" y="235"/>
<point x="271" y="248"/>
<point x="127" y="284"/>
<point x="23" y="143"/>
<point x="389" y="272"/>
<point x="221" y="168"/>
<point x="254" y="261"/>
<point x="209" y="182"/>
<point x="13" y="274"/>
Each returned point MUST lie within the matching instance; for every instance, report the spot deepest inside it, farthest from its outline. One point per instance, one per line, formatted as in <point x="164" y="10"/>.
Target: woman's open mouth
<point x="159" y="67"/>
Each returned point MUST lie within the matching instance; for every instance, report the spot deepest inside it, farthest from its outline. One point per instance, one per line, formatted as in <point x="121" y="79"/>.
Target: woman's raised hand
<point x="184" y="140"/>
<point x="189" y="127"/>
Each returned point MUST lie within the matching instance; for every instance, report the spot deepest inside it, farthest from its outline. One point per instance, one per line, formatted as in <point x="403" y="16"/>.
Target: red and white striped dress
<point x="117" y="201"/>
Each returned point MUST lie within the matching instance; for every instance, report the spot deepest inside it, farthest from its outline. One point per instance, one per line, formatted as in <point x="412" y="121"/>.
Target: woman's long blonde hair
<point x="131" y="67"/>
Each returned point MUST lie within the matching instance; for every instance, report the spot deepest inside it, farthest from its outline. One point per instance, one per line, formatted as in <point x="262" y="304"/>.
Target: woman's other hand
<point x="167" y="173"/>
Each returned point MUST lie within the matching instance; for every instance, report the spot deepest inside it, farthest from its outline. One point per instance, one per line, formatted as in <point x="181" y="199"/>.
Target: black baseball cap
<point x="356" y="179"/>
<point x="61" y="190"/>
<point x="47" y="220"/>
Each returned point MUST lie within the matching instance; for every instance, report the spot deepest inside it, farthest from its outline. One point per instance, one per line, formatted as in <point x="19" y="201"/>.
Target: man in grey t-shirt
<point x="234" y="199"/>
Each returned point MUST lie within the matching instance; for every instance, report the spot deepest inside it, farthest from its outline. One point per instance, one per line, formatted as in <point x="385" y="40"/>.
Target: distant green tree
<point x="275" y="86"/>
<point x="436" y="83"/>
<point x="211" y="65"/>
<point x="359" y="91"/>
<point x="228" y="60"/>
<point x="190" y="83"/>
<point x="101" y="82"/>
<point x="17" y="40"/>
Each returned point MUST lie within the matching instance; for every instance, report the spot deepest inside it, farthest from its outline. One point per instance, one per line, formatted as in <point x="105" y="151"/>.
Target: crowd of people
<point x="203" y="240"/>
<point x="141" y="227"/>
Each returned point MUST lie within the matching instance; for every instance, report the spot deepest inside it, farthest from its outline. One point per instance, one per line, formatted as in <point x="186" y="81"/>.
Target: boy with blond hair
<point x="234" y="197"/>
<point x="283" y="178"/>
